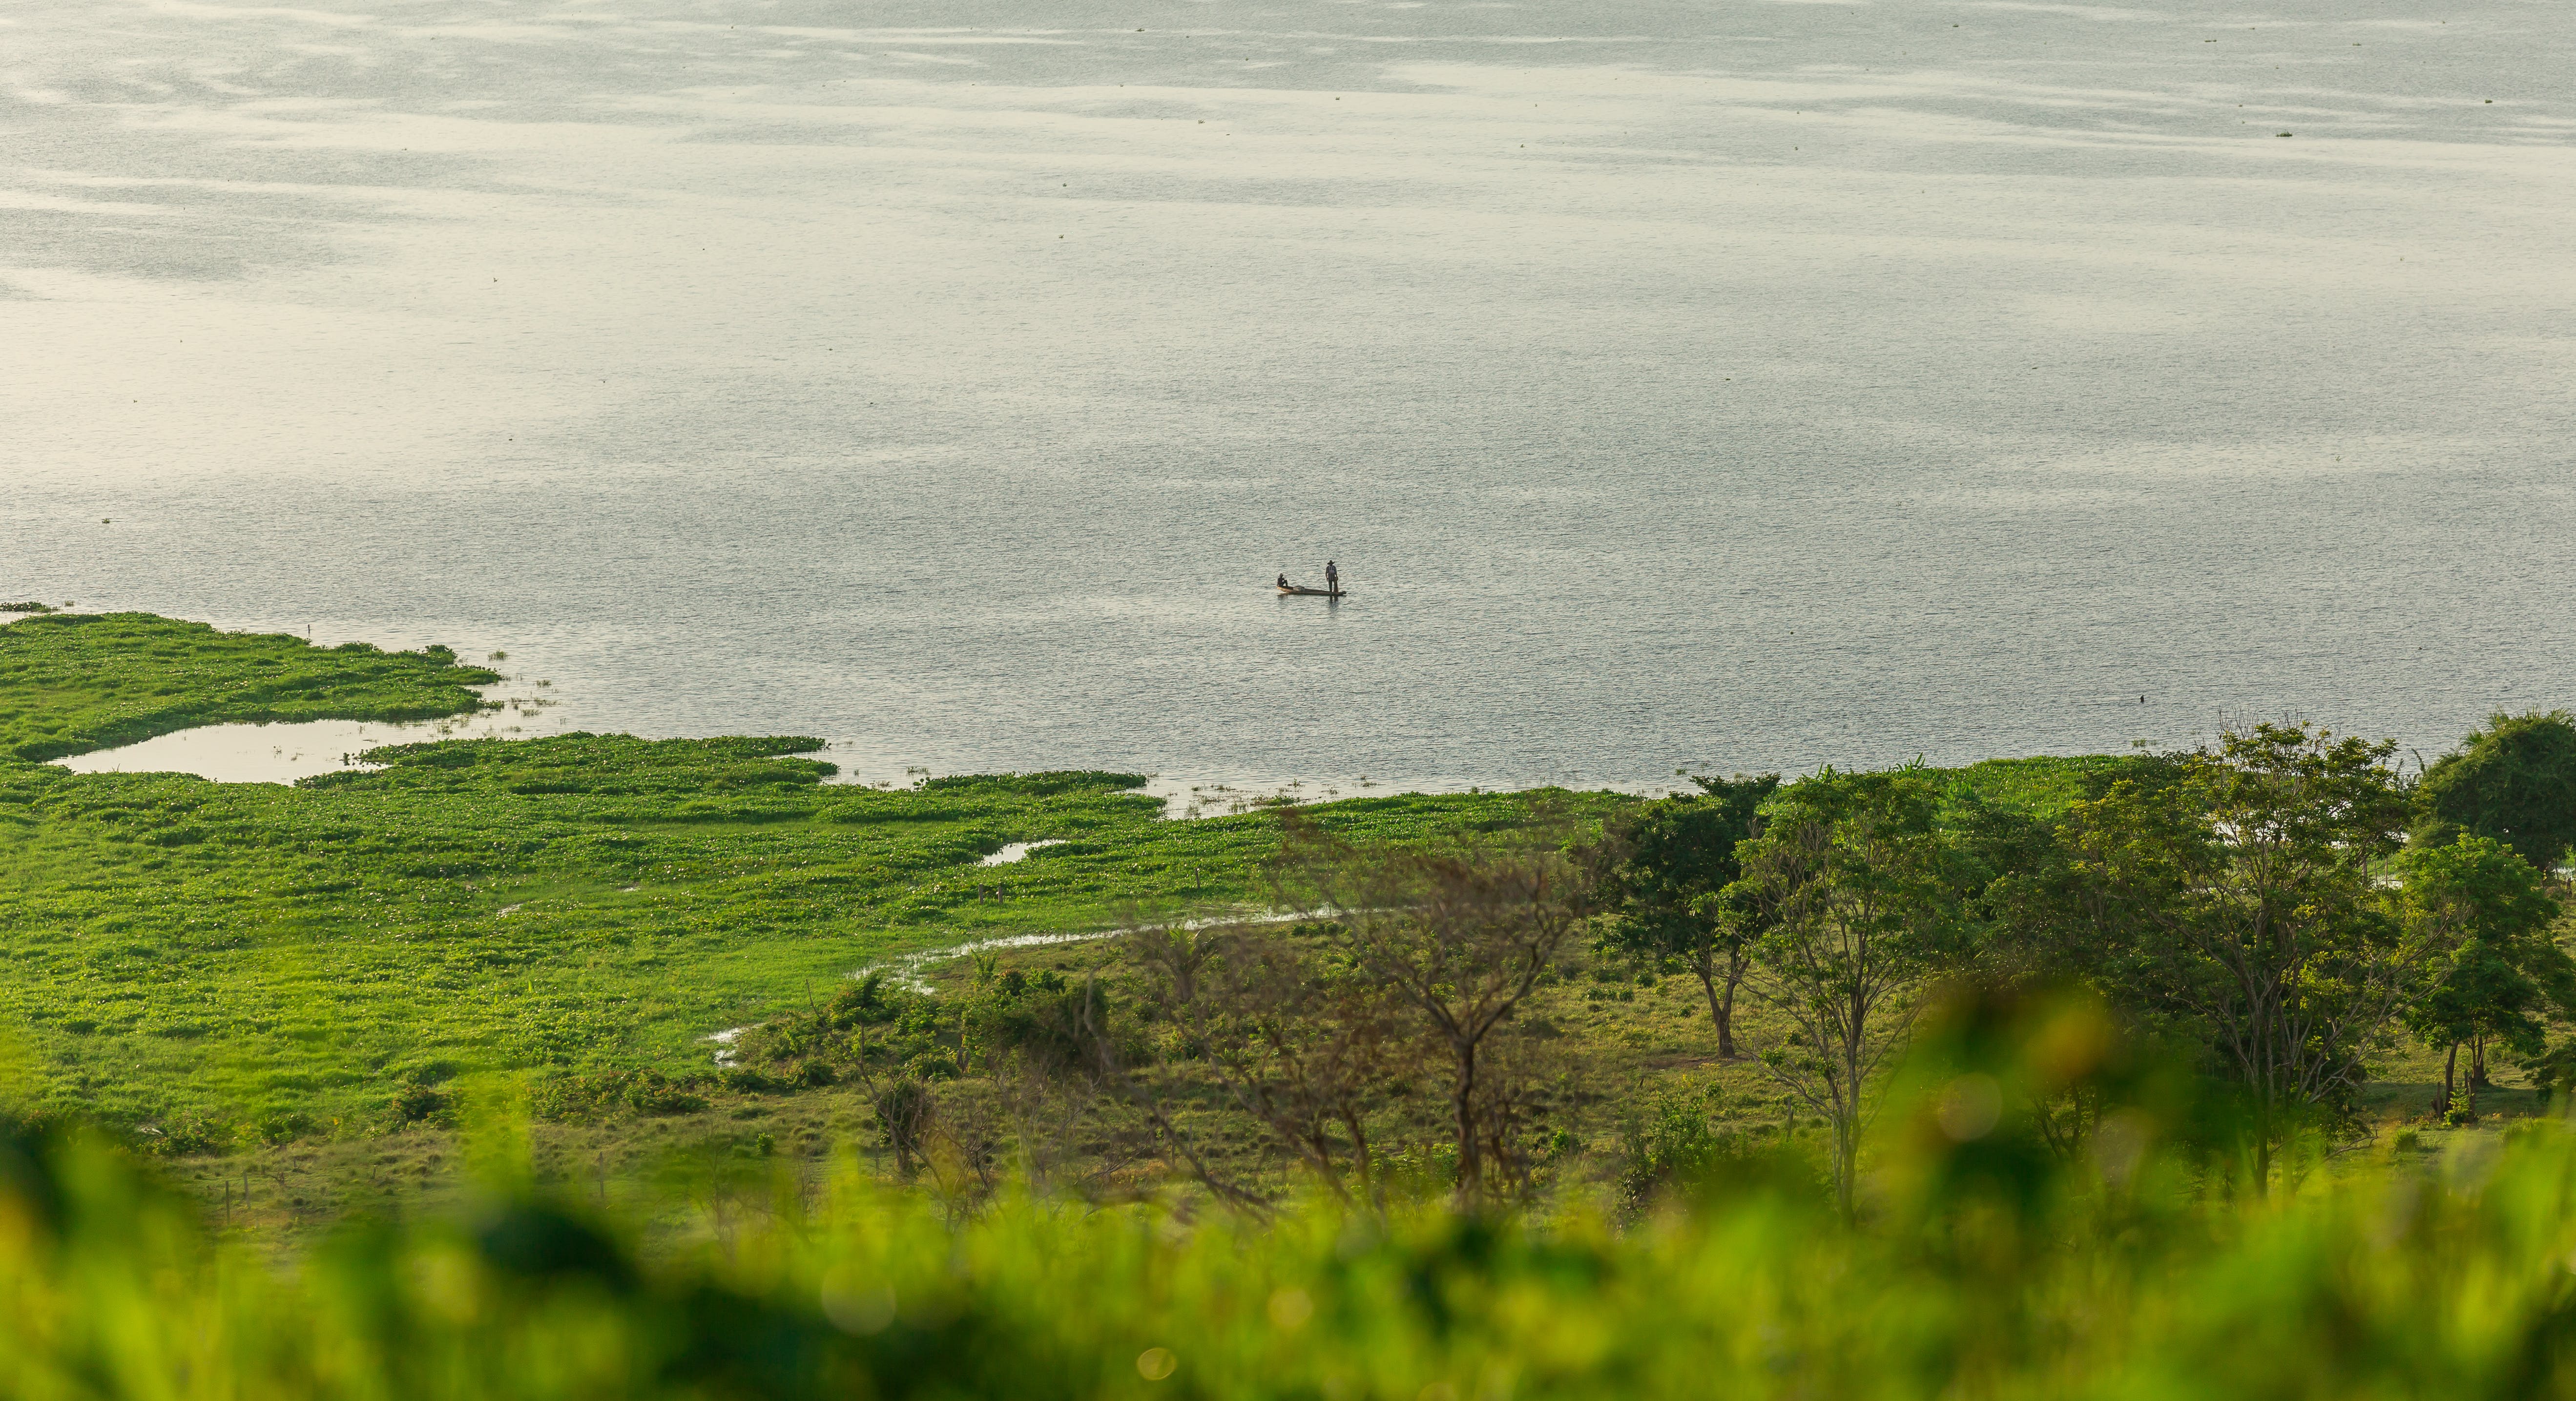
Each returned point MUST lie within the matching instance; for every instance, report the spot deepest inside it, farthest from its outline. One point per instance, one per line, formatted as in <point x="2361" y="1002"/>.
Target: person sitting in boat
<point x="1283" y="581"/>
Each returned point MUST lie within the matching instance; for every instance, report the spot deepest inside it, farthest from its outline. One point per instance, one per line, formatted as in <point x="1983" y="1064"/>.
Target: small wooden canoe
<point x="1300" y="589"/>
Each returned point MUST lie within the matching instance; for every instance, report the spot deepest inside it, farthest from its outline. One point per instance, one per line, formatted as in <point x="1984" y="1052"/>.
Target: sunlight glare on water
<point x="1733" y="385"/>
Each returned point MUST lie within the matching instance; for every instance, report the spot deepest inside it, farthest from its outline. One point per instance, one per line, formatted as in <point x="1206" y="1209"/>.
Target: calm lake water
<point x="1719" y="384"/>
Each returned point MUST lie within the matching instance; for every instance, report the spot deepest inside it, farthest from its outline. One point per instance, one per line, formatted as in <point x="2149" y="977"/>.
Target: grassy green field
<point x="218" y="968"/>
<point x="360" y="1022"/>
<point x="1637" y="1049"/>
<point x="220" y="963"/>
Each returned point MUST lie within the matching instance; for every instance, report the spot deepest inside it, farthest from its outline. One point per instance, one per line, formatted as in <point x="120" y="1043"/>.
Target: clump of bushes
<point x="879" y="1026"/>
<point x="602" y="1094"/>
<point x="184" y="1135"/>
<point x="419" y="1104"/>
<point x="756" y="1080"/>
<point x="275" y="1126"/>
<point x="1675" y="1146"/>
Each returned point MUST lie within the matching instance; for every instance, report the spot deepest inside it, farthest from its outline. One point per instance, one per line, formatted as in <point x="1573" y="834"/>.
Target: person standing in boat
<point x="1332" y="578"/>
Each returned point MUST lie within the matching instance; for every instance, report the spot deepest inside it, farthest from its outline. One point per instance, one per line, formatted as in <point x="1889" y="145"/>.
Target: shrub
<point x="1672" y="1143"/>
<point x="418" y="1104"/>
<point x="752" y="1080"/>
<point x="185" y="1135"/>
<point x="580" y="1098"/>
<point x="276" y="1126"/>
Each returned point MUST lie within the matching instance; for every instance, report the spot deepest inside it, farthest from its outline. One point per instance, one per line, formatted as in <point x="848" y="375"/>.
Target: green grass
<point x="226" y="961"/>
<point x="219" y="966"/>
<point x="1634" y="1048"/>
<point x="267" y="970"/>
<point x="223" y="965"/>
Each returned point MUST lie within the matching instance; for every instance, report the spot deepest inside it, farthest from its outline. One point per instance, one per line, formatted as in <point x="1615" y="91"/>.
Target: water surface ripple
<point x="1726" y="384"/>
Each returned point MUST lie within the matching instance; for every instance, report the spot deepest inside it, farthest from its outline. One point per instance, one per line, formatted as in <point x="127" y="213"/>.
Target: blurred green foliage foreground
<point x="1990" y="1262"/>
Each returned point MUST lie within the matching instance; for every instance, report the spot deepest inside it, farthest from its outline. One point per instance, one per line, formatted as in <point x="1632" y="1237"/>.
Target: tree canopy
<point x="1859" y="889"/>
<point x="2242" y="901"/>
<point x="2514" y="781"/>
<point x="2493" y="973"/>
<point x="1675" y="858"/>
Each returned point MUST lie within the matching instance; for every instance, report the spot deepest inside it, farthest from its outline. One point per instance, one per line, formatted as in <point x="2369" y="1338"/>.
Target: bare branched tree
<point x="906" y="1113"/>
<point x="1049" y="1105"/>
<point x="1300" y="1044"/>
<point x="1460" y="936"/>
<point x="1156" y="1088"/>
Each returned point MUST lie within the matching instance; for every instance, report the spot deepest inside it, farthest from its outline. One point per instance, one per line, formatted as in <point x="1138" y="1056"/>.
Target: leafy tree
<point x="1675" y="859"/>
<point x="2240" y="898"/>
<point x="2041" y="913"/>
<point x="1860" y="895"/>
<point x="2553" y="1072"/>
<point x="2514" y="781"/>
<point x="2483" y="918"/>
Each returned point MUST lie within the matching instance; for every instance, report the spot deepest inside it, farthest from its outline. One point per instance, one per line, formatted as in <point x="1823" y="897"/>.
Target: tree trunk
<point x="1846" y="1126"/>
<point x="1471" y="1165"/>
<point x="2450" y="1078"/>
<point x="1847" y="1169"/>
<point x="1736" y="963"/>
<point x="1721" y="1009"/>
<point x="2478" y="1066"/>
<point x="1359" y="1151"/>
<point x="1854" y="1034"/>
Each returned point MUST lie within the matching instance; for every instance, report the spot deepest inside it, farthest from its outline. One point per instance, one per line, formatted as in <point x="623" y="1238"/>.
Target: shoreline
<point x="284" y="751"/>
